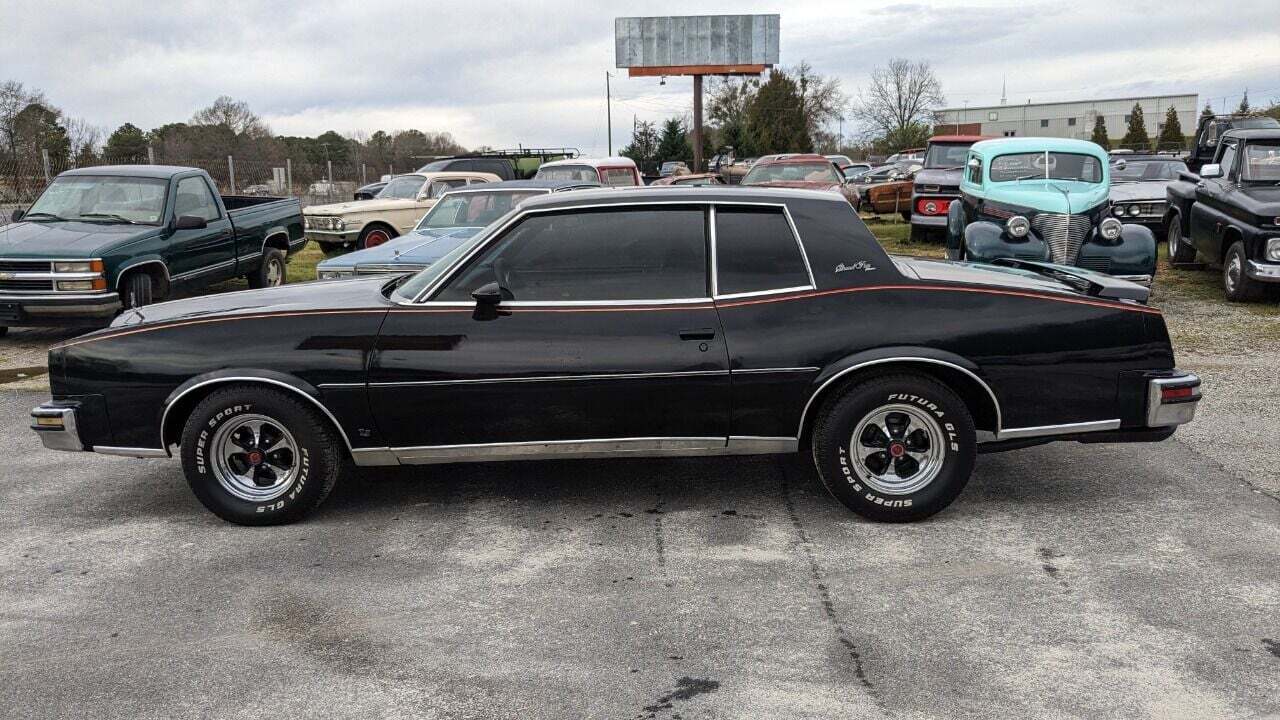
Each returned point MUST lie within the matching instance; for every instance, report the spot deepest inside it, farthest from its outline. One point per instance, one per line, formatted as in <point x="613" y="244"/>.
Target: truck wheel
<point x="1180" y="253"/>
<point x="256" y="456"/>
<point x="271" y="273"/>
<point x="1237" y="284"/>
<point x="137" y="290"/>
<point x="374" y="236"/>
<point x="895" y="448"/>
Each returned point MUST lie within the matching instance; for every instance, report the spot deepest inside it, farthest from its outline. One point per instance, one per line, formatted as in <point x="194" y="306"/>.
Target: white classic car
<point x="397" y="209"/>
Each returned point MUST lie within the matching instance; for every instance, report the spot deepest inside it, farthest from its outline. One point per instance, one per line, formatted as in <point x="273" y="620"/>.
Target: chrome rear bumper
<point x="1172" y="400"/>
<point x="56" y="427"/>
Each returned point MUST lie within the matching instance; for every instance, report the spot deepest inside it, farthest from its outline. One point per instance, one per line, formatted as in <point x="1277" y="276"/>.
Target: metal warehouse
<point x="1074" y="119"/>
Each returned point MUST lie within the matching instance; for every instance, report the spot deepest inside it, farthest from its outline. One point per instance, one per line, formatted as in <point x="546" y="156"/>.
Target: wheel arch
<point x="153" y="266"/>
<point x="277" y="237"/>
<point x="1230" y="235"/>
<point x="957" y="373"/>
<point x="185" y="397"/>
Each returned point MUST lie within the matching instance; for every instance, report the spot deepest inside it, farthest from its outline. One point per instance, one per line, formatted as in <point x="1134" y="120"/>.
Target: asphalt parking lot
<point x="1067" y="581"/>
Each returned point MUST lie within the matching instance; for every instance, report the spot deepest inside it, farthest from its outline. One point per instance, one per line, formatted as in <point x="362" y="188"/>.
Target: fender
<point x="273" y="232"/>
<point x="985" y="241"/>
<point x="899" y="354"/>
<point x="285" y="381"/>
<point x="1133" y="253"/>
<point x="138" y="262"/>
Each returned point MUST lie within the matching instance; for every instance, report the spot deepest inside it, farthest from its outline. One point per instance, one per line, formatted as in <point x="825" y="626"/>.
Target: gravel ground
<point x="1068" y="580"/>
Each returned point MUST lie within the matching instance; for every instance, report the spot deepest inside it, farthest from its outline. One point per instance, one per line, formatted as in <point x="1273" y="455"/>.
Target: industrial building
<point x="1073" y="119"/>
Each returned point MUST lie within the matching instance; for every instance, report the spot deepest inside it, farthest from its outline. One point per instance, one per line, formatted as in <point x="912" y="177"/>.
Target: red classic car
<point x="804" y="171"/>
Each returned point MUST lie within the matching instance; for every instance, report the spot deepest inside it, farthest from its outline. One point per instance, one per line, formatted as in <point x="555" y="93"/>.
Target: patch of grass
<point x="895" y="237"/>
<point x="302" y="264"/>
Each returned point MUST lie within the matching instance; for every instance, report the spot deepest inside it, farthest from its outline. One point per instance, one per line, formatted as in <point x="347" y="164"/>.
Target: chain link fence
<point x="22" y="179"/>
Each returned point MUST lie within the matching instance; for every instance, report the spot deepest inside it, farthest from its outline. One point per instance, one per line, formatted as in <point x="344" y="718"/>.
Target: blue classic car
<point x="457" y="216"/>
<point x="1045" y="200"/>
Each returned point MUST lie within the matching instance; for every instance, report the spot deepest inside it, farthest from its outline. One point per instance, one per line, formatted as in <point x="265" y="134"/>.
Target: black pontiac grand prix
<point x="629" y="323"/>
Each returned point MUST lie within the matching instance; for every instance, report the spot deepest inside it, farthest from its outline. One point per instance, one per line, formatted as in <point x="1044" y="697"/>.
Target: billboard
<point x="696" y="41"/>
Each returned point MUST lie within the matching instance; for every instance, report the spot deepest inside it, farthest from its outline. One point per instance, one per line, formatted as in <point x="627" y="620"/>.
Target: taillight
<point x="1168" y="394"/>
<point x="933" y="206"/>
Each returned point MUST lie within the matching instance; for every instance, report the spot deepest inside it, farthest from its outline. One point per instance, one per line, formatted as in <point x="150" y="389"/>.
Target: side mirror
<point x="17" y="215"/>
<point x="189" y="222"/>
<point x="490" y="294"/>
<point x="1212" y="170"/>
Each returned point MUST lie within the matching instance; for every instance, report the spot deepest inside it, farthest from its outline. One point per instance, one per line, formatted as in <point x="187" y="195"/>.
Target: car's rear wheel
<point x="137" y="291"/>
<point x="1180" y="253"/>
<point x="895" y="448"/>
<point x="254" y="455"/>
<point x="271" y="273"/>
<point x="374" y="236"/>
<point x="1237" y="284"/>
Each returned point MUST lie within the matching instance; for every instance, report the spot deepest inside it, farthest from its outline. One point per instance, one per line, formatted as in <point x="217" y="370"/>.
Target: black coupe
<point x="704" y="321"/>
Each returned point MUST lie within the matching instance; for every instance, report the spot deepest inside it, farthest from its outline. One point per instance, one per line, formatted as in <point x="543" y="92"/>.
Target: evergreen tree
<point x="128" y="142"/>
<point x="1243" y="108"/>
<point x="776" y="117"/>
<point x="1207" y="111"/>
<point x="673" y="144"/>
<point x="1136" y="138"/>
<point x="644" y="144"/>
<point x="1171" y="135"/>
<point x="1100" y="133"/>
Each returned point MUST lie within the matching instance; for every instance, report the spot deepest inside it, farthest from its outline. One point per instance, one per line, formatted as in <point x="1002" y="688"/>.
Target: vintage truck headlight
<point x="1110" y="228"/>
<point x="1273" y="249"/>
<point x="1017" y="226"/>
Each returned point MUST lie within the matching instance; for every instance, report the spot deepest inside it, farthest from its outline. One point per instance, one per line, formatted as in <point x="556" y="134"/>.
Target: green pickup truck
<point x="101" y="239"/>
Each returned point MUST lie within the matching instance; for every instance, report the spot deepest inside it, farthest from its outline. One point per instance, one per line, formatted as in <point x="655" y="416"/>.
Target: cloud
<point x="533" y="73"/>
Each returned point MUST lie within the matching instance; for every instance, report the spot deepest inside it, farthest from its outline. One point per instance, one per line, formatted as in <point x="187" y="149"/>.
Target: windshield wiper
<point x="1036" y="176"/>
<point x="111" y="216"/>
<point x="28" y="216"/>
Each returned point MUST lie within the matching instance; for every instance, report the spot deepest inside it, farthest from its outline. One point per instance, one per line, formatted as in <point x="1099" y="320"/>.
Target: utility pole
<point x="608" y="110"/>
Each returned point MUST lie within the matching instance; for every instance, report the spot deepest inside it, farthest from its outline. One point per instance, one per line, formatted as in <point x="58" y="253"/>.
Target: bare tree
<point x="14" y="98"/>
<point x="84" y="137"/>
<point x="821" y="99"/>
<point x="902" y="96"/>
<point x="234" y="115"/>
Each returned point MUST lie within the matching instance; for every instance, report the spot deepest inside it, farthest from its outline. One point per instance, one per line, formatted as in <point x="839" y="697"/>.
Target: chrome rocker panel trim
<point x="1064" y="429"/>
<point x="130" y="452"/>
<point x="569" y="449"/>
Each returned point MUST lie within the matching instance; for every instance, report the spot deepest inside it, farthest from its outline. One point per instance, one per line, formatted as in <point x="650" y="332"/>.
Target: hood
<point x="1053" y="196"/>
<point x="1143" y="190"/>
<point x="332" y="294"/>
<point x="1006" y="278"/>
<point x="800" y="184"/>
<point x="418" y="248"/>
<point x="942" y="177"/>
<point x="71" y="239"/>
<point x="363" y="206"/>
<point x="1261" y="200"/>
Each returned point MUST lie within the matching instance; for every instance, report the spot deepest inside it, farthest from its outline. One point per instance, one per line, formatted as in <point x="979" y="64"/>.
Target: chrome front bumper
<point x="929" y="221"/>
<point x="1262" y="272"/>
<point x="56" y="427"/>
<point x="1172" y="400"/>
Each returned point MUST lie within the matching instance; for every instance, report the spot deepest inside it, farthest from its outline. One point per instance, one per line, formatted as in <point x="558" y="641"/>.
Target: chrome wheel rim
<point x="897" y="449"/>
<point x="1174" y="231"/>
<point x="1233" y="272"/>
<point x="376" y="238"/>
<point x="255" y="458"/>
<point x="275" y="273"/>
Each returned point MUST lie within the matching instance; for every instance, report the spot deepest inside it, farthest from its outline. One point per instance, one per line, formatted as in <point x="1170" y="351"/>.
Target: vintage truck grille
<point x="1064" y="234"/>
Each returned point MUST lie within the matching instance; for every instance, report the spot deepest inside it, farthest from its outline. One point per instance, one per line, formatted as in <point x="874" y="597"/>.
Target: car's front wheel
<point x="895" y="448"/>
<point x="1236" y="283"/>
<point x="1180" y="253"/>
<point x="374" y="236"/>
<point x="254" y="455"/>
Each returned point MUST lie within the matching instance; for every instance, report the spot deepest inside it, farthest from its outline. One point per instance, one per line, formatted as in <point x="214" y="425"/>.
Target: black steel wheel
<point x="1180" y="253"/>
<point x="137" y="290"/>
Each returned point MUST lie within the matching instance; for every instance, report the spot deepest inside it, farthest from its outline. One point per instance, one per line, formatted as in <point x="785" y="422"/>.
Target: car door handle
<point x="698" y="334"/>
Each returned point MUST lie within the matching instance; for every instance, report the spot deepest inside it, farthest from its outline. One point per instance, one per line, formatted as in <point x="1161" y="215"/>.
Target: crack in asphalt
<point x="1227" y="471"/>
<point x="818" y="576"/>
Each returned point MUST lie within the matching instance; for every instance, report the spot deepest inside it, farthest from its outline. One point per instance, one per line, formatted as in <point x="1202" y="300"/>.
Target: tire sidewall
<point x="315" y="456"/>
<point x="834" y="454"/>
<point x="139" y="291"/>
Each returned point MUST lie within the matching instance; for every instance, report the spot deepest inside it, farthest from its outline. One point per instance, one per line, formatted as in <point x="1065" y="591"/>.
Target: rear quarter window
<point x="756" y="251"/>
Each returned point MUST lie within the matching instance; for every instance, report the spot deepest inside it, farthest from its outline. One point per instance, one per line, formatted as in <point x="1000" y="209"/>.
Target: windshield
<point x="1137" y="170"/>
<point x="410" y="288"/>
<point x="792" y="172"/>
<point x="1046" y="165"/>
<point x="946" y="156"/>
<point x="100" y="198"/>
<point x="405" y="187"/>
<point x="580" y="173"/>
<point x="474" y="209"/>
<point x="1261" y="163"/>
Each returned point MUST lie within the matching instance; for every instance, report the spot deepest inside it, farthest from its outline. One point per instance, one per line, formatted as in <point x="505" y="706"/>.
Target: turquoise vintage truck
<point x="1045" y="200"/>
<point x="101" y="239"/>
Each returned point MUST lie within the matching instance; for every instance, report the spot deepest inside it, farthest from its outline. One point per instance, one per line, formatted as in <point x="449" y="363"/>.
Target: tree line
<point x="31" y="125"/>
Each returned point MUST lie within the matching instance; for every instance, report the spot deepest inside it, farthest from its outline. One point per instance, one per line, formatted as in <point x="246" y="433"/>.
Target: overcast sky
<point x="533" y="72"/>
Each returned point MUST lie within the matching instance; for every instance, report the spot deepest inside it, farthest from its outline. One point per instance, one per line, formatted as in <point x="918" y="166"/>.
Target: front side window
<point x="756" y="251"/>
<point x="597" y="255"/>
<point x="975" y="170"/>
<point x="405" y="187"/>
<point x="1046" y="166"/>
<point x="1228" y="161"/>
<point x="440" y="187"/>
<point x="619" y="177"/>
<point x="1261" y="163"/>
<point x="100" y="198"/>
<point x="194" y="199"/>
